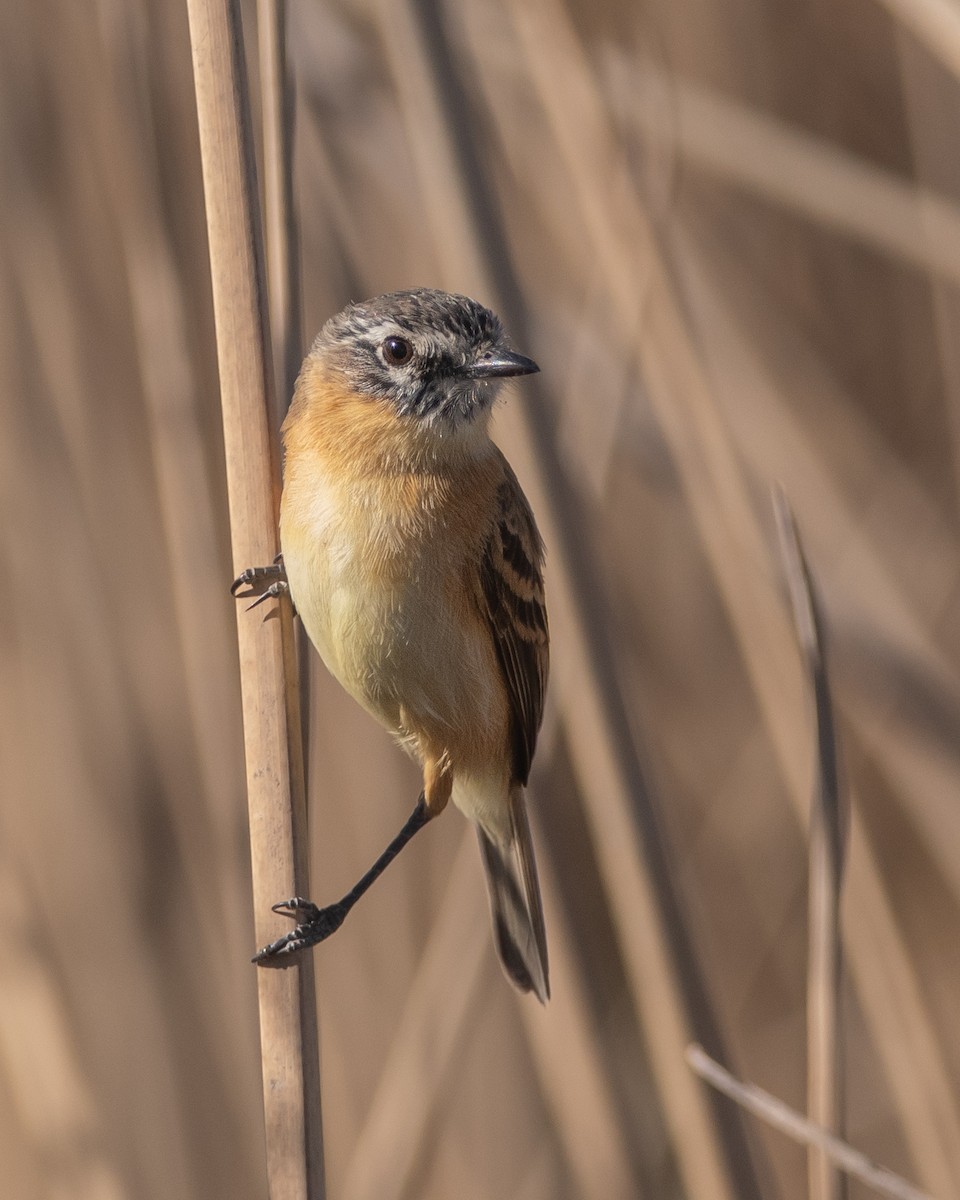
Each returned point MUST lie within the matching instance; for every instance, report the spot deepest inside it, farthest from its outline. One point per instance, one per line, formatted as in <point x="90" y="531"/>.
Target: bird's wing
<point x="512" y="600"/>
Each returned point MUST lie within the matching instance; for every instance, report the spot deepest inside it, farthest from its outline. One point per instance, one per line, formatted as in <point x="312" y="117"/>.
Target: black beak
<point x="499" y="364"/>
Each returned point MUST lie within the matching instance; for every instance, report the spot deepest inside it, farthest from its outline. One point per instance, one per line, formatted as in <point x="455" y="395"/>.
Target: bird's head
<point x="437" y="358"/>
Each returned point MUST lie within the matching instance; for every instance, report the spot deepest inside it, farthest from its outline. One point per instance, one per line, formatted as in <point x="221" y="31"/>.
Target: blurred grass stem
<point x="824" y="1046"/>
<point x="281" y="238"/>
<point x="280" y="223"/>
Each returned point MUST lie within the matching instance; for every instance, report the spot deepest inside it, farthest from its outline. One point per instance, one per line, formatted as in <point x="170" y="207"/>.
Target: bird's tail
<point x="515" y="902"/>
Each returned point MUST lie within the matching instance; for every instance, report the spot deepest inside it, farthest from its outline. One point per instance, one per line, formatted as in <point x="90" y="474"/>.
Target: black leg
<point x="315" y="924"/>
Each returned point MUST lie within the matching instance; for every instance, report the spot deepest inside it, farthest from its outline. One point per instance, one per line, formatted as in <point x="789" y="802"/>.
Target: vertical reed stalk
<point x="282" y="253"/>
<point x="271" y="718"/>
<point x="280" y="225"/>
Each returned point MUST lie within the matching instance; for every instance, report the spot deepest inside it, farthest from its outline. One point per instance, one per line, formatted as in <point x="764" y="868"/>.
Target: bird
<point x="414" y="562"/>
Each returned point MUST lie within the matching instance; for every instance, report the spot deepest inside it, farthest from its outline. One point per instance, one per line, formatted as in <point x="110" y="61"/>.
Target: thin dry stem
<point x="768" y="1108"/>
<point x="824" y="1045"/>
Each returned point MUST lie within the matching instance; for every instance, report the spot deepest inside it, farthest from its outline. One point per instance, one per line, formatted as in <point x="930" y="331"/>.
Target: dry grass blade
<point x="824" y="1045"/>
<point x="275" y="783"/>
<point x="777" y="1114"/>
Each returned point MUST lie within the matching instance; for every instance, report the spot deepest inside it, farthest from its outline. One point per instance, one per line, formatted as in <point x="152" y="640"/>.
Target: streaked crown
<point x="436" y="356"/>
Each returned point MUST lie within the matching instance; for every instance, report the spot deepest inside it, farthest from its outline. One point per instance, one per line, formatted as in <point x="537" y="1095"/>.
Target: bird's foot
<point x="263" y="582"/>
<point x="314" y="925"/>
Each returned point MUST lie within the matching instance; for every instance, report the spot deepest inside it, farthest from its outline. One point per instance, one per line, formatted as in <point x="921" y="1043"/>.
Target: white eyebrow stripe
<point x="380" y="330"/>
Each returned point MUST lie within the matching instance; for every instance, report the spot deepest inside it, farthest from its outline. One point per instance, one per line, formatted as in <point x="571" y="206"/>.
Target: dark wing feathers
<point x="512" y="599"/>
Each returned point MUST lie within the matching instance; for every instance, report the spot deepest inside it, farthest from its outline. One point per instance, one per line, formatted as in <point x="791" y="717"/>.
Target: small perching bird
<point x="413" y="559"/>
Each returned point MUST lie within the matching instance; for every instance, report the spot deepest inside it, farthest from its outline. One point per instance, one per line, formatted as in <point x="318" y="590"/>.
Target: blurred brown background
<point x="729" y="231"/>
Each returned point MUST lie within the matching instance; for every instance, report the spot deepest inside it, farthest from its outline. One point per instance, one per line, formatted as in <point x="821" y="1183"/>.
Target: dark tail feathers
<point x="515" y="903"/>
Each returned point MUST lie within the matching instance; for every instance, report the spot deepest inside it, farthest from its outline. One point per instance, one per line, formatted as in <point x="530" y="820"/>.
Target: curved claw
<point x="276" y="952"/>
<point x="241" y="581"/>
<point x="253" y="577"/>
<point x="294" y="907"/>
<point x="280" y="588"/>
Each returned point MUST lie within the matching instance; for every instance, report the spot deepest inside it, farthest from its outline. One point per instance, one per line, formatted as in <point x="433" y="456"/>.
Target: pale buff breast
<point x="381" y="577"/>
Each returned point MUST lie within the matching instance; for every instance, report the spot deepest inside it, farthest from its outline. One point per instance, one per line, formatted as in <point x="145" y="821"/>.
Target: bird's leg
<point x="262" y="582"/>
<point x="315" y="924"/>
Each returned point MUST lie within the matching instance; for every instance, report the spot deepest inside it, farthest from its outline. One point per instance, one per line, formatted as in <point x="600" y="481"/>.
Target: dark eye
<point x="397" y="351"/>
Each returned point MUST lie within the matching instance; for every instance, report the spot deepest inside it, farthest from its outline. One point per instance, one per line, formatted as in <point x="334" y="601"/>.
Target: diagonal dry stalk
<point x="768" y="1108"/>
<point x="271" y="716"/>
<point x="935" y="23"/>
<point x="824" y="1045"/>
